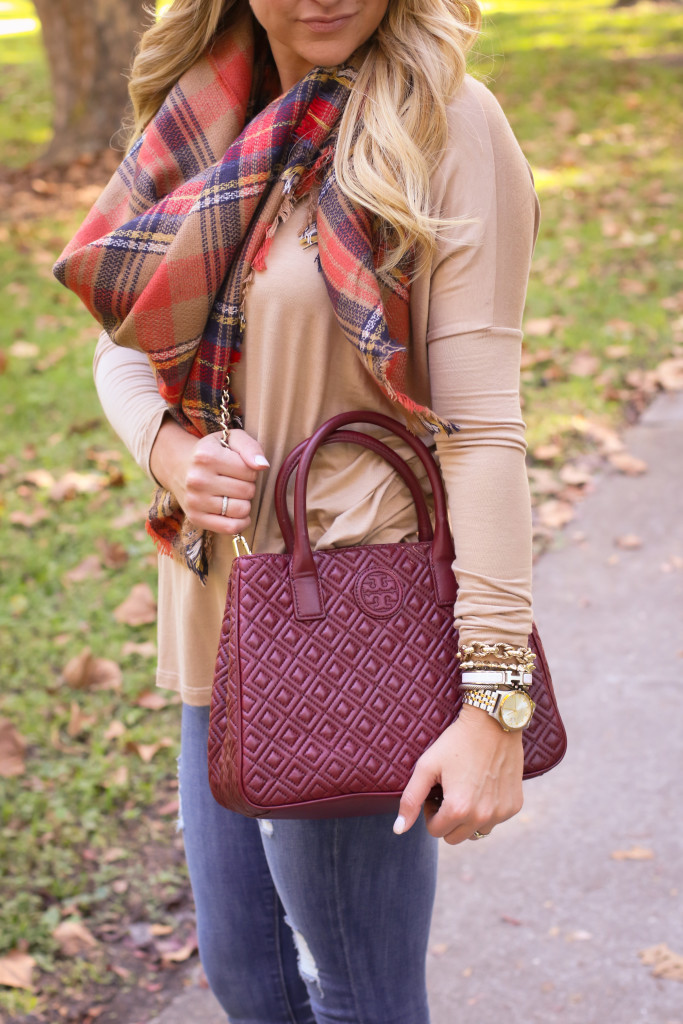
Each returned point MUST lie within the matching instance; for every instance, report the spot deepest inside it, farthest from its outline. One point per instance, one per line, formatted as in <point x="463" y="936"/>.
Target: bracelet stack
<point x="487" y="666"/>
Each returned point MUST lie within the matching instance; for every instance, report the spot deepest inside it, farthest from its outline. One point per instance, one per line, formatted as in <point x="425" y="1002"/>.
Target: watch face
<point x="516" y="709"/>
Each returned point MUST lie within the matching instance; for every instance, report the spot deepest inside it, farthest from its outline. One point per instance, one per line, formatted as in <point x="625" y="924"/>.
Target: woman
<point x="377" y="206"/>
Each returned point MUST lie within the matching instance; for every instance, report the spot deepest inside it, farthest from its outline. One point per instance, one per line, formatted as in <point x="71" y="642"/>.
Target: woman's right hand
<point x="200" y="472"/>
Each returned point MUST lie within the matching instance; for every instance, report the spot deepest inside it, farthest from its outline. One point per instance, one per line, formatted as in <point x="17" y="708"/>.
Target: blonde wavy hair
<point x="394" y="127"/>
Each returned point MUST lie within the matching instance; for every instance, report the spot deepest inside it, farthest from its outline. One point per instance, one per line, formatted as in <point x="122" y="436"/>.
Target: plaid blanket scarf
<point x="164" y="256"/>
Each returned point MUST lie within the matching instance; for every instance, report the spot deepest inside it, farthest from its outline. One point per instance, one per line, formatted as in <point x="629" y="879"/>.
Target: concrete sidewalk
<point x="541" y="922"/>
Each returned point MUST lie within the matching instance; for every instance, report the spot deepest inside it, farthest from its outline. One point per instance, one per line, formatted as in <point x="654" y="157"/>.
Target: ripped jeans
<point x="306" y="922"/>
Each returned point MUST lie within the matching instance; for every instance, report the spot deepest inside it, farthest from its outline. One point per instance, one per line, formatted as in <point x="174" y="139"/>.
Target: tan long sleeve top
<point x="298" y="370"/>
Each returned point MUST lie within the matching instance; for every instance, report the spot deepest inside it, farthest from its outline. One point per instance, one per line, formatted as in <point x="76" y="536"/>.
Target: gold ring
<point x="480" y="835"/>
<point x="224" y="508"/>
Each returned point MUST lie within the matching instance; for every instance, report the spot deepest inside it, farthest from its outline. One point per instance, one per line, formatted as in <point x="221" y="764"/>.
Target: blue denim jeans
<point x="306" y="922"/>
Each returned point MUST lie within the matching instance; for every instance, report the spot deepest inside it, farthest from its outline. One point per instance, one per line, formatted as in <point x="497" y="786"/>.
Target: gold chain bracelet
<point x="480" y="649"/>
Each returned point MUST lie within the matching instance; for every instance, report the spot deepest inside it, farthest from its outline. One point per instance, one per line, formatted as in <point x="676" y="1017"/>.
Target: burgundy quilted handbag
<point x="336" y="669"/>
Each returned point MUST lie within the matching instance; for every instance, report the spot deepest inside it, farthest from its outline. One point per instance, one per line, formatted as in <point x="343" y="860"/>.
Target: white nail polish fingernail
<point x="261" y="460"/>
<point x="399" y="824"/>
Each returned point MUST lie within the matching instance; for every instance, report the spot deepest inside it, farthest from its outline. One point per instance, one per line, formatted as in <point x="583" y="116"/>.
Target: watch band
<point x="484" y="699"/>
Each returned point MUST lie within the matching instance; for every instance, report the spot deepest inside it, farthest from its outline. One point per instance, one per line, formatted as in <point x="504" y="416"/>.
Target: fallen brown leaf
<point x="635" y="853"/>
<point x="171" y="807"/>
<point x="24" y="350"/>
<point x="663" y="961"/>
<point x="161" y="929"/>
<point x="584" y="364"/>
<point x="555" y="514"/>
<point x="16" y="970"/>
<point x="73" y="483"/>
<point x="119" y="777"/>
<point x="674" y="303"/>
<point x="540" y="327"/>
<point x="103" y="457"/>
<point x="85" y="426"/>
<point x="152" y="700"/>
<point x="86" y="672"/>
<point x="138" y="608"/>
<point x="115" y="730"/>
<point x="629" y="542"/>
<point x="632" y="286"/>
<point x="177" y="956"/>
<point x="618" y="351"/>
<point x="52" y="358"/>
<point x="606" y="439"/>
<point x="627" y="463"/>
<point x="79" y="721"/>
<point x="89" y="569"/>
<point x="29" y="519"/>
<point x="39" y="478"/>
<point x="12" y="749"/>
<point x="670" y="374"/>
<point x="543" y="481"/>
<point x="73" y="938"/>
<point x="146" y="751"/>
<point x="618" y="326"/>
<point x="131" y="515"/>
<point x="540" y="355"/>
<point x="146" y="649"/>
<point x="642" y="380"/>
<point x="577" y="476"/>
<point x="113" y="553"/>
<point x="547" y="452"/>
<point x="114" y="853"/>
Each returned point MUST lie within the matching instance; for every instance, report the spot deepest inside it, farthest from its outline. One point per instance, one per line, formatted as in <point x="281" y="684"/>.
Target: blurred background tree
<point x="89" y="47"/>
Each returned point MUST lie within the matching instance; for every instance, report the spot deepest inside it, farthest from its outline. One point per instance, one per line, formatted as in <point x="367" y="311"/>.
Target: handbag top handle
<point x="308" y="595"/>
<point x="424" y="523"/>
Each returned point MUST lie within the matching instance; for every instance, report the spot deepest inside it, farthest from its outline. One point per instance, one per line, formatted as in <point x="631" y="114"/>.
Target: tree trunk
<point x="89" y="48"/>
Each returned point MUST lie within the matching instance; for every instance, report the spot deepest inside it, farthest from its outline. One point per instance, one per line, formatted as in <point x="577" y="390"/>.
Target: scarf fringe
<point x="283" y="214"/>
<point x="162" y="544"/>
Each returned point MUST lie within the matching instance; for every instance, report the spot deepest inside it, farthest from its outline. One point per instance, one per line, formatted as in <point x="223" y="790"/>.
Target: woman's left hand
<point x="479" y="767"/>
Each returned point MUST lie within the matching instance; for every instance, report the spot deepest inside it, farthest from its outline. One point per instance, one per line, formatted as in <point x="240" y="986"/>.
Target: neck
<point x="290" y="67"/>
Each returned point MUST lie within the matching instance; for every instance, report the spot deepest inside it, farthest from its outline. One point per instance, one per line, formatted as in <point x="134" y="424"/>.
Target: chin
<point x="328" y="56"/>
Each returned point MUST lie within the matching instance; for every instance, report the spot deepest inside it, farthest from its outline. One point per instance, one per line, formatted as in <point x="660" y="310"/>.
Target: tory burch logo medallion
<point x="379" y="592"/>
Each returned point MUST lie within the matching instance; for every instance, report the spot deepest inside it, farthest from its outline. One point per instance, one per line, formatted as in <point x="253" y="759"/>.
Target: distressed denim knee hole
<point x="308" y="969"/>
<point x="179" y="820"/>
<point x="265" y="826"/>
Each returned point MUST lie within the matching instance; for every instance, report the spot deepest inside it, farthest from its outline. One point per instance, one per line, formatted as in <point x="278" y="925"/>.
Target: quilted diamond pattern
<point x="328" y="717"/>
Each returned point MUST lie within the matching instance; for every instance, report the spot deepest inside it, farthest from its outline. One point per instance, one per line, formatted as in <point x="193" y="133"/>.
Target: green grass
<point x="595" y="97"/>
<point x="62" y="818"/>
<point x="24" y="89"/>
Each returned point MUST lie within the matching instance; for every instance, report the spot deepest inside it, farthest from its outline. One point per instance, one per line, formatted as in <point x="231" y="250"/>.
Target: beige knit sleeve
<point x="477" y="295"/>
<point x="129" y="397"/>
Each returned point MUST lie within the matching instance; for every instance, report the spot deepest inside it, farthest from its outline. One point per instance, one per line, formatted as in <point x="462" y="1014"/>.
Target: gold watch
<point x="512" y="708"/>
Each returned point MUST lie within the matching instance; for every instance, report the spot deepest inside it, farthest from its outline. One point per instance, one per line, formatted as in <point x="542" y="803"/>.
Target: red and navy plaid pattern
<point x="163" y="258"/>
